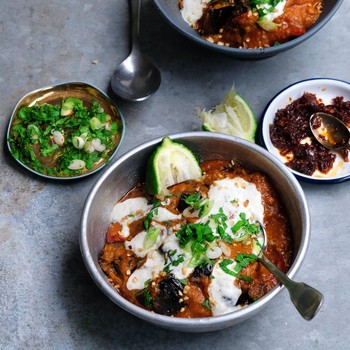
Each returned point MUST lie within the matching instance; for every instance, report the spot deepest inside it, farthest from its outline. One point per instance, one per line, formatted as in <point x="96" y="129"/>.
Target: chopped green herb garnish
<point x="167" y="268"/>
<point x="195" y="237"/>
<point x="196" y="201"/>
<point x="242" y="261"/>
<point x="170" y="255"/>
<point x="206" y="304"/>
<point x="154" y="211"/>
<point x="58" y="140"/>
<point x="193" y="200"/>
<point x="147" y="282"/>
<point x="243" y="229"/>
<point x="264" y="7"/>
<point x="179" y="260"/>
<point x="220" y="220"/>
<point x="148" y="298"/>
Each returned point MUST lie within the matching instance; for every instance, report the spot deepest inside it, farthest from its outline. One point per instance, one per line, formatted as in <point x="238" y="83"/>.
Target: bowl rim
<point x="267" y="146"/>
<point x="53" y="86"/>
<point x="191" y="34"/>
<point x="175" y="322"/>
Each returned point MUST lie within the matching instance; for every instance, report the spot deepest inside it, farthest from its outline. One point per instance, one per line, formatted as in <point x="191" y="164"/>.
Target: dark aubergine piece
<point x="116" y="267"/>
<point x="167" y="302"/>
<point x="217" y="14"/>
<point x="182" y="204"/>
<point x="244" y="299"/>
<point x="202" y="270"/>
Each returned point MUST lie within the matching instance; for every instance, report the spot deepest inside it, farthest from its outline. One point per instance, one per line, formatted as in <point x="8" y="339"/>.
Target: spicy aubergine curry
<point x="194" y="253"/>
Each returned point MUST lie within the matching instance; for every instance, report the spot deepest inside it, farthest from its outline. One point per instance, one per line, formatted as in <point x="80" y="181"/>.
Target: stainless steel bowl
<point x="128" y="170"/>
<point x="54" y="95"/>
<point x="170" y="11"/>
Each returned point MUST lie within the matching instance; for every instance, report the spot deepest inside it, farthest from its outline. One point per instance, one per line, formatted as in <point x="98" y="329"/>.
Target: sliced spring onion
<point x="151" y="237"/>
<point x="76" y="164"/>
<point x="78" y="142"/>
<point x="58" y="138"/>
<point x="95" y="123"/>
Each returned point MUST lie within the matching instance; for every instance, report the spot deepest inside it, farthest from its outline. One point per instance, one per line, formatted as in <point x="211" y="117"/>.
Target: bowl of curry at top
<point x="186" y="261"/>
<point x="248" y="29"/>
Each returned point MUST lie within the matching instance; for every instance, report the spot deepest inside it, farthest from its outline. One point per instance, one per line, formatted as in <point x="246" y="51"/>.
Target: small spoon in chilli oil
<point x="329" y="131"/>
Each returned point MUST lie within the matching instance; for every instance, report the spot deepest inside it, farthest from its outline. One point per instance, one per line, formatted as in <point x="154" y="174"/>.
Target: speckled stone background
<point x="47" y="298"/>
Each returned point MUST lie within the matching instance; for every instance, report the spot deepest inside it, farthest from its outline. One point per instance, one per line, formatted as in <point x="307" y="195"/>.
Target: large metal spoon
<point x="305" y="298"/>
<point x="136" y="78"/>
<point x="329" y="131"/>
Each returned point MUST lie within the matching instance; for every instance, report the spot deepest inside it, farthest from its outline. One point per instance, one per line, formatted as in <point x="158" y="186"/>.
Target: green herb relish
<point x="63" y="140"/>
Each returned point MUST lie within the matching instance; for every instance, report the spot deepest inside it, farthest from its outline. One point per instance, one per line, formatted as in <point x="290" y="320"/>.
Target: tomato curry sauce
<point x="193" y="253"/>
<point x="253" y="24"/>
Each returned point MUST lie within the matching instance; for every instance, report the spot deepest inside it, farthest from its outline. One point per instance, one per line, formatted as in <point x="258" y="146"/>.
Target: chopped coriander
<point x="148" y="298"/>
<point x="193" y="200"/>
<point x="167" y="268"/>
<point x="170" y="256"/>
<point x="154" y="211"/>
<point x="220" y="220"/>
<point x="242" y="261"/>
<point x="196" y="201"/>
<point x="147" y="282"/>
<point x="41" y="137"/>
<point x="206" y="304"/>
<point x="264" y="7"/>
<point x="179" y="260"/>
<point x="243" y="229"/>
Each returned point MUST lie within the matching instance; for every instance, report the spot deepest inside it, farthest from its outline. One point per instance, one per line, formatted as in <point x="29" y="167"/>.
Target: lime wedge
<point x="232" y="116"/>
<point x="170" y="164"/>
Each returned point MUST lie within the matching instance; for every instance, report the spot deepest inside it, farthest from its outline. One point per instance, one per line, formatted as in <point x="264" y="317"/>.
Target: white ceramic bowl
<point x="129" y="170"/>
<point x="324" y="88"/>
<point x="170" y="11"/>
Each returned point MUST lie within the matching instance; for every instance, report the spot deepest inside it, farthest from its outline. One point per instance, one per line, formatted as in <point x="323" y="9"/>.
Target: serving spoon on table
<point x="329" y="131"/>
<point x="136" y="78"/>
<point x="305" y="298"/>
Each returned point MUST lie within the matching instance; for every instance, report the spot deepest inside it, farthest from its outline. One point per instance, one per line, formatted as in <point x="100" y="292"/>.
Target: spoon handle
<point x="305" y="298"/>
<point x="135" y="19"/>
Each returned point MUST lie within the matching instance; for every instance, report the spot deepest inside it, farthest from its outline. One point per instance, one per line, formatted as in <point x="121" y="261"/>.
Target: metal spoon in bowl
<point x="329" y="131"/>
<point x="305" y="298"/>
<point x="136" y="78"/>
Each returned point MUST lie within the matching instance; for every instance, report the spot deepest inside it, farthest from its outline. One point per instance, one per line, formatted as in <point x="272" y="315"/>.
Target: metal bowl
<point x="54" y="95"/>
<point x="170" y="11"/>
<point x="129" y="170"/>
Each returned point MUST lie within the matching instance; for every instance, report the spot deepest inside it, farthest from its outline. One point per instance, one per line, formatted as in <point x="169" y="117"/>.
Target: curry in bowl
<point x="250" y="24"/>
<point x="193" y="253"/>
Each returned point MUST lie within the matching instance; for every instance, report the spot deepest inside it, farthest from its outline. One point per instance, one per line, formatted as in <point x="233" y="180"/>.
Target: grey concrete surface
<point x="47" y="298"/>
